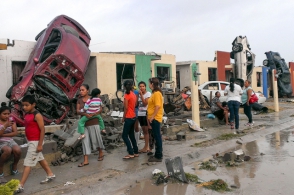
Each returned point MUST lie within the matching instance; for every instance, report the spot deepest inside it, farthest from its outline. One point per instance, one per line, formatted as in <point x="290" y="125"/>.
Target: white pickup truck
<point x="214" y="86"/>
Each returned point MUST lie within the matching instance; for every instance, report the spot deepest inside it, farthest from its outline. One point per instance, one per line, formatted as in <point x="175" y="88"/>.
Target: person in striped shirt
<point x="93" y="107"/>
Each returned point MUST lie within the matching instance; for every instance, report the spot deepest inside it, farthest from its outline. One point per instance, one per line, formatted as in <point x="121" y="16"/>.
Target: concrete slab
<point x="72" y="141"/>
<point x="115" y="114"/>
<point x="48" y="128"/>
<point x="173" y="130"/>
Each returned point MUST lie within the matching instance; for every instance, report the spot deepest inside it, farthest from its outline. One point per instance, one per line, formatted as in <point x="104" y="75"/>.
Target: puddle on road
<point x="270" y="171"/>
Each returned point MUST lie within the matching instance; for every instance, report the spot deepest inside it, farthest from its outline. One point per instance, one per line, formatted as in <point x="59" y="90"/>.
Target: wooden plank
<point x="3" y="46"/>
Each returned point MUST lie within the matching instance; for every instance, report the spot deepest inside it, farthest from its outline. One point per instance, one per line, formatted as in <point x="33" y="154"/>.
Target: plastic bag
<point x="211" y="116"/>
<point x="193" y="125"/>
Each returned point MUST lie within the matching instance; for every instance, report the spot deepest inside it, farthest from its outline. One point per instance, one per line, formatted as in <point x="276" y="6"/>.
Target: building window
<point x="124" y="72"/>
<point x="259" y="79"/>
<point x="163" y="73"/>
<point x="212" y="74"/>
<point x="17" y="68"/>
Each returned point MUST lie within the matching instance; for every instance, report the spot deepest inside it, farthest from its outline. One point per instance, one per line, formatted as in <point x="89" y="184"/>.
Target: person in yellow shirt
<point x="154" y="115"/>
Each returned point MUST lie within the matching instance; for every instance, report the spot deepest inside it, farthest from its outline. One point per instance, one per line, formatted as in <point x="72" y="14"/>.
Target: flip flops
<point x="100" y="158"/>
<point x="142" y="151"/>
<point x="83" y="164"/>
<point x="128" y="157"/>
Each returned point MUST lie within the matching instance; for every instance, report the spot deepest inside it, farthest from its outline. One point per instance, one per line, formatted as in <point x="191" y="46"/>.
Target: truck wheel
<point x="237" y="47"/>
<point x="265" y="63"/>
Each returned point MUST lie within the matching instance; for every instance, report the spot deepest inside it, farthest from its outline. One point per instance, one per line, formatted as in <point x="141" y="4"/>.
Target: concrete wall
<point x="166" y="59"/>
<point x="185" y="75"/>
<point x="19" y="52"/>
<point x="106" y="70"/>
<point x="91" y="73"/>
<point x="203" y="69"/>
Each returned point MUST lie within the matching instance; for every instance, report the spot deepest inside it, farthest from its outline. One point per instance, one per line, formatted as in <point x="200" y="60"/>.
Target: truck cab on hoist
<point x="244" y="59"/>
<point x="275" y="61"/>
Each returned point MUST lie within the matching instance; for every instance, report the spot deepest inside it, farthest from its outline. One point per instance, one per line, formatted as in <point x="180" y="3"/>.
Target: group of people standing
<point x="149" y="113"/>
<point x="144" y="107"/>
<point x="229" y="110"/>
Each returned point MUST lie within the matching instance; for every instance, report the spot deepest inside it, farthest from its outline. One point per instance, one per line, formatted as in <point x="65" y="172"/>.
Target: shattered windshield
<point x="50" y="88"/>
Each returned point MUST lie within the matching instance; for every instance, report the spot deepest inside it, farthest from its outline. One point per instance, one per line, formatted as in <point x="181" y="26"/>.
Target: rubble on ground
<point x="65" y="140"/>
<point x="218" y="185"/>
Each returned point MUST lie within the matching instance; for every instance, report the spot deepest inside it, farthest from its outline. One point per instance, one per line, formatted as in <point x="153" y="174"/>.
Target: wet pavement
<point x="267" y="174"/>
<point x="270" y="171"/>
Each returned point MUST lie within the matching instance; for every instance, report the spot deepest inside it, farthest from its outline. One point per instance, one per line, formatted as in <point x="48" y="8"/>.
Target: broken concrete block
<point x="58" y="133"/>
<point x="50" y="146"/>
<point x="121" y="114"/>
<point x="72" y="141"/>
<point x="64" y="136"/>
<point x="116" y="109"/>
<point x="109" y="131"/>
<point x="164" y="129"/>
<point x="247" y="158"/>
<point x="239" y="154"/>
<point x="181" y="136"/>
<point x="115" y="101"/>
<point x="178" y="122"/>
<point x="230" y="156"/>
<point x="105" y="142"/>
<point x="172" y="130"/>
<point x="115" y="114"/>
<point x="113" y="138"/>
<point x="120" y="105"/>
<point x="19" y="140"/>
<point x="117" y="122"/>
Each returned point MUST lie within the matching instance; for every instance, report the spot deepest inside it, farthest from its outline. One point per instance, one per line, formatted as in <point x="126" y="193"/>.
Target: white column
<point x="275" y="91"/>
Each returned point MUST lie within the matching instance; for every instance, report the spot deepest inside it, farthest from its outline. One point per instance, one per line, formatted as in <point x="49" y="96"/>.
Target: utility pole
<point x="275" y="90"/>
<point x="195" y="94"/>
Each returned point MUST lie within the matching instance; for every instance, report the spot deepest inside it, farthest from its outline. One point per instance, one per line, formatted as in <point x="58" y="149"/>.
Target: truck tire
<point x="237" y="47"/>
<point x="265" y="63"/>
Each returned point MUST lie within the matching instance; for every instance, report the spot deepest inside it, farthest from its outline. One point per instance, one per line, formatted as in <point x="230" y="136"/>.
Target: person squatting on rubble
<point x="247" y="92"/>
<point x="218" y="110"/>
<point x="8" y="146"/>
<point x="137" y="130"/>
<point x="155" y="114"/>
<point x="93" y="108"/>
<point x="233" y="91"/>
<point x="129" y="119"/>
<point x="92" y="129"/>
<point x="144" y="95"/>
<point x="35" y="132"/>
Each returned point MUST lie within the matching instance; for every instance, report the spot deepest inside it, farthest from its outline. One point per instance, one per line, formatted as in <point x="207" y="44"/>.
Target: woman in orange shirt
<point x="129" y="119"/>
<point x="154" y="115"/>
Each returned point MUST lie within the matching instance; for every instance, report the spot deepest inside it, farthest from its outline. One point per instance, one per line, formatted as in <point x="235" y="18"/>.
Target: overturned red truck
<point x="54" y="70"/>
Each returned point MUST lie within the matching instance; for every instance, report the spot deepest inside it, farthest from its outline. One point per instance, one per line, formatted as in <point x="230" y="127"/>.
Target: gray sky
<point x="191" y="30"/>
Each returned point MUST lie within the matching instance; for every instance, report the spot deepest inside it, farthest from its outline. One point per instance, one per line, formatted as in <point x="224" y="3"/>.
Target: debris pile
<point x="9" y="187"/>
<point x="218" y="185"/>
<point x="208" y="165"/>
<point x="176" y="173"/>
